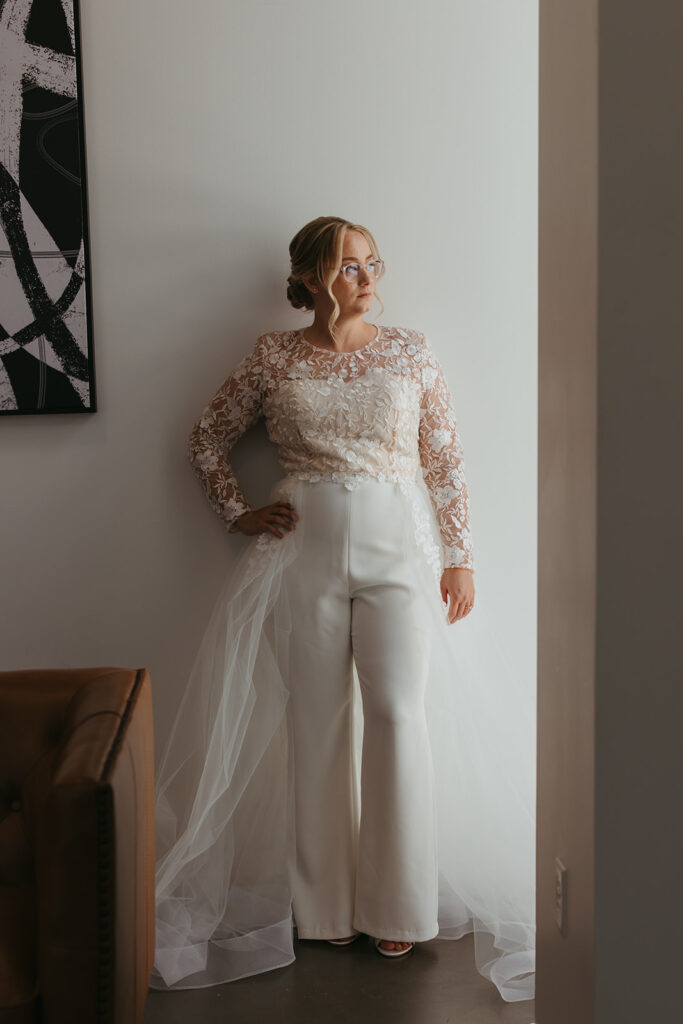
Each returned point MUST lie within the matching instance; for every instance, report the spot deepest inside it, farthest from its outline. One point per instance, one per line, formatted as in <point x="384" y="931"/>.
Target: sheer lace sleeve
<point x="443" y="466"/>
<point x="235" y="407"/>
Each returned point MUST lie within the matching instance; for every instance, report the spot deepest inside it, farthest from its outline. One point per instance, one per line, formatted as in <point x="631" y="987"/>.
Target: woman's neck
<point x="350" y="333"/>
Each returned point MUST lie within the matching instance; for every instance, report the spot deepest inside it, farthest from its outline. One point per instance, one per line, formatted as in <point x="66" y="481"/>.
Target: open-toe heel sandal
<point x="343" y="942"/>
<point x="393" y="952"/>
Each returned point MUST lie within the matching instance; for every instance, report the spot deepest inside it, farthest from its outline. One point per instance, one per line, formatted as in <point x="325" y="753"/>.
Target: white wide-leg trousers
<point x="352" y="597"/>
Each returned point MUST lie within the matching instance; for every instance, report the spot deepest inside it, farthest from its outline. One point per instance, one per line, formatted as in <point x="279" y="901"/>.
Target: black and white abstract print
<point x="46" y="358"/>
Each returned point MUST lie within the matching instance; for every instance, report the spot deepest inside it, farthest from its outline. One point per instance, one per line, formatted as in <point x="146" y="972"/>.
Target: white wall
<point x="213" y="132"/>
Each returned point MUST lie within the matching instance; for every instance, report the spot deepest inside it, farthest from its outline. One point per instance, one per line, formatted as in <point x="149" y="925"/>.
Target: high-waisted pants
<point x="353" y="597"/>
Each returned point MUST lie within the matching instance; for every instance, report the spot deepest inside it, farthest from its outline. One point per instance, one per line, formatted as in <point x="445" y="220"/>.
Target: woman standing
<point x="276" y="794"/>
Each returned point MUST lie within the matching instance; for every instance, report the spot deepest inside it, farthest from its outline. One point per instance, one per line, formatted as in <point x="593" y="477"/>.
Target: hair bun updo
<point x="298" y="294"/>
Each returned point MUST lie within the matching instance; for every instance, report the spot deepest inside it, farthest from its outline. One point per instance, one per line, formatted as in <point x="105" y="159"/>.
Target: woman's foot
<point x="393" y="947"/>
<point x="391" y="944"/>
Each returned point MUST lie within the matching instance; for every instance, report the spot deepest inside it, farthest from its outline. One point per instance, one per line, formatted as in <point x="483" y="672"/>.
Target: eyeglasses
<point x="374" y="268"/>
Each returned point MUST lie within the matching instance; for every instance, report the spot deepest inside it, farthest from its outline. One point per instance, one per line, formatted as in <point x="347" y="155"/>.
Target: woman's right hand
<point x="271" y="518"/>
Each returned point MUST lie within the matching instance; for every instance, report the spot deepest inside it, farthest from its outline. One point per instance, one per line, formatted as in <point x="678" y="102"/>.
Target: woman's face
<point x="354" y="296"/>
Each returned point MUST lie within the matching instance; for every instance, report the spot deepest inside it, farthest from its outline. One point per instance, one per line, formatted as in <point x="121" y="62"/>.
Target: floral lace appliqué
<point x="381" y="412"/>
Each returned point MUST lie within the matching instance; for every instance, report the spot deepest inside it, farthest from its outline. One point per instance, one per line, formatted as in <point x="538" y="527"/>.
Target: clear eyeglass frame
<point x="374" y="268"/>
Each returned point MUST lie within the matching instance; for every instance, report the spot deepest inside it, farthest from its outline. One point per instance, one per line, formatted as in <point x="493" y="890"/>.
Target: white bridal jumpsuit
<point x="299" y="786"/>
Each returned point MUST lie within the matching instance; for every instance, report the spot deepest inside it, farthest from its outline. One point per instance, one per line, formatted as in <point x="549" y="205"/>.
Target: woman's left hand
<point x="458" y="584"/>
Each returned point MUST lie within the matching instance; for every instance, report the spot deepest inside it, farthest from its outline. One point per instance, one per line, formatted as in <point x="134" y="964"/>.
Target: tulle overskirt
<point x="224" y="790"/>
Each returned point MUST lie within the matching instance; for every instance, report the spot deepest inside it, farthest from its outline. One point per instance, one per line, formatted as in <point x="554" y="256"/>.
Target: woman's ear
<point x="310" y="281"/>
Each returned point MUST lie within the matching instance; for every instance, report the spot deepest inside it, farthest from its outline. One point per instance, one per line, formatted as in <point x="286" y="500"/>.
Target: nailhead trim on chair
<point x="106" y="869"/>
<point x="105" y="906"/>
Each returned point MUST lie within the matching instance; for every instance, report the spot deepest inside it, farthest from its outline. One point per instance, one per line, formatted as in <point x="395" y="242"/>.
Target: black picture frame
<point x="46" y="326"/>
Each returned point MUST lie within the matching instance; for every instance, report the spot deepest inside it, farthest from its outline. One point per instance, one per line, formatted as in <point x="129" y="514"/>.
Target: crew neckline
<point x="332" y="352"/>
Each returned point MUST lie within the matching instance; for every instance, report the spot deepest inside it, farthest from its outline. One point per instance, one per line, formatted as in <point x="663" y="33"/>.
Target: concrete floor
<point x="435" y="984"/>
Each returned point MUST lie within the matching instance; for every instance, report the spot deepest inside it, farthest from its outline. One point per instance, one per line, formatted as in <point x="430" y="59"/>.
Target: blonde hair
<point x="317" y="249"/>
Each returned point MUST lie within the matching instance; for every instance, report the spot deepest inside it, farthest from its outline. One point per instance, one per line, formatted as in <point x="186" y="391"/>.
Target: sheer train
<point x="224" y="803"/>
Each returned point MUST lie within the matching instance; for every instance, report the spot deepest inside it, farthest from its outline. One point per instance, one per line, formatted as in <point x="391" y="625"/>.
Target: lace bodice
<point x="381" y="412"/>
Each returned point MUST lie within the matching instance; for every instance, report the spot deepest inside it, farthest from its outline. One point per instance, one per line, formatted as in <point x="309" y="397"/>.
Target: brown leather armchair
<point x="76" y="845"/>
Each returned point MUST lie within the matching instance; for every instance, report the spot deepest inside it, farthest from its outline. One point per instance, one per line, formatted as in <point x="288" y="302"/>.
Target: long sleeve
<point x="235" y="407"/>
<point x="442" y="459"/>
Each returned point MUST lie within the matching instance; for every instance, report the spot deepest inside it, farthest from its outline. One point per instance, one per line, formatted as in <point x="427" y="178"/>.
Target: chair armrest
<point x="94" y="848"/>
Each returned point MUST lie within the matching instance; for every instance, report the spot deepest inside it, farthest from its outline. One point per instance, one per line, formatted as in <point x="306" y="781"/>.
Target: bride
<point x="344" y="760"/>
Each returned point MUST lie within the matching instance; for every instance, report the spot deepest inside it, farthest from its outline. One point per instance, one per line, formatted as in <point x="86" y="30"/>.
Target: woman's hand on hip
<point x="278" y="518"/>
<point x="458" y="585"/>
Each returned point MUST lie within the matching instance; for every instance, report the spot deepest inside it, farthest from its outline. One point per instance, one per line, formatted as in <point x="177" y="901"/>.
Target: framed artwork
<point x="46" y="352"/>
